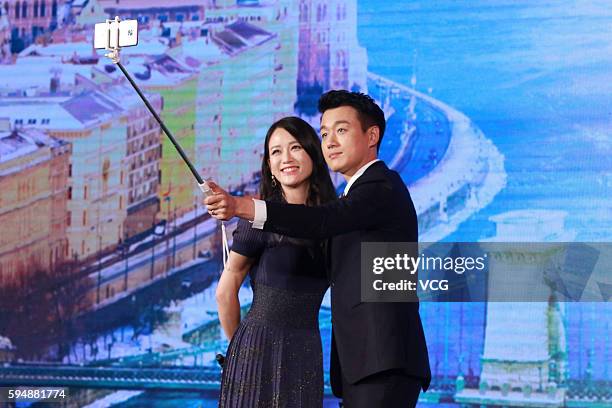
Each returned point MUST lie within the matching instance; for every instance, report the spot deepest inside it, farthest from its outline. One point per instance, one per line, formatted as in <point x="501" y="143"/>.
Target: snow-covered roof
<point x="202" y="50"/>
<point x="69" y="113"/>
<point x="36" y="73"/>
<point x="40" y="114"/>
<point x="239" y="36"/>
<point x="149" y="71"/>
<point x="15" y="144"/>
<point x="90" y="107"/>
<point x="66" y="49"/>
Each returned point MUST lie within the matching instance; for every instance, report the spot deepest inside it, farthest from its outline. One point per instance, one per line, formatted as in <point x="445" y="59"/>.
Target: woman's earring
<point x="273" y="181"/>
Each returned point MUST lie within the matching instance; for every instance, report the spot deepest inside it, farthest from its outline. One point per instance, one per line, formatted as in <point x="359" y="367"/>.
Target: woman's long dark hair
<point x="321" y="187"/>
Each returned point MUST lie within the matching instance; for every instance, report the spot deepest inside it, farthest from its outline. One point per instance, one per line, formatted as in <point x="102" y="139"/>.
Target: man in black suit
<point x="379" y="355"/>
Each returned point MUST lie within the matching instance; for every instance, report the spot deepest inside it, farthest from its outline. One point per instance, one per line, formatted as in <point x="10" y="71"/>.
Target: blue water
<point x="534" y="78"/>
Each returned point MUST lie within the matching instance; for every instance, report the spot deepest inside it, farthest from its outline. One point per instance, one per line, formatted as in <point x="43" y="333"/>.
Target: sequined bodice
<point x="285" y="308"/>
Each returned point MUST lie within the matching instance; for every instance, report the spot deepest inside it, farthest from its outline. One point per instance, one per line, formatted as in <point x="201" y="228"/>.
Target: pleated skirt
<point x="270" y="365"/>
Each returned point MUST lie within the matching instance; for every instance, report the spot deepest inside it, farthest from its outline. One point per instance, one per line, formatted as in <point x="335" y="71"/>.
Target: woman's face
<point x="289" y="162"/>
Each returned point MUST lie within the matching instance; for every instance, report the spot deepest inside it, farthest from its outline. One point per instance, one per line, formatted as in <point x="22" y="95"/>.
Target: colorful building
<point x="143" y="149"/>
<point x="96" y="193"/>
<point x="284" y="23"/>
<point x="205" y="55"/>
<point x="5" y="35"/>
<point x="28" y="19"/>
<point x="142" y="159"/>
<point x="254" y="46"/>
<point x="34" y="170"/>
<point x="177" y="85"/>
<point x="279" y="17"/>
<point x="248" y="80"/>
<point x="147" y="10"/>
<point x="330" y="55"/>
<point x="241" y="65"/>
<point x="175" y="82"/>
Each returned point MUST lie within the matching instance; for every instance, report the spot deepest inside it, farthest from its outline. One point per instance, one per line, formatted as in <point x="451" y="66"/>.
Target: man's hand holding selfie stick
<point x="224" y="206"/>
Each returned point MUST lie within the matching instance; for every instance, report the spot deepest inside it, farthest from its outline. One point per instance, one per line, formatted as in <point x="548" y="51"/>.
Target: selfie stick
<point x="115" y="57"/>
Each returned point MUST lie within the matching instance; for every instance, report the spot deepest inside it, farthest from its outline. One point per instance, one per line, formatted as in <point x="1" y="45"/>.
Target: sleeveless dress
<point x="275" y="359"/>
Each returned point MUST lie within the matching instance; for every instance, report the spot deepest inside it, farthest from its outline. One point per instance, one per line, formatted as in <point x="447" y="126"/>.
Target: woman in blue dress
<point x="274" y="358"/>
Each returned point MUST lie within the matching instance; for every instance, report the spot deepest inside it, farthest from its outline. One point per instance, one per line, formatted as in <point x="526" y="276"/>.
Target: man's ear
<point x="373" y="133"/>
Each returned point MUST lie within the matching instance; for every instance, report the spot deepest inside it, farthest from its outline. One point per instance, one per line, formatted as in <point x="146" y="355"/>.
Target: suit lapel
<point x="376" y="170"/>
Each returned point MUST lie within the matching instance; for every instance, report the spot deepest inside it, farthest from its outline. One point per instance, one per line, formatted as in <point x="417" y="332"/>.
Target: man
<point x="379" y="356"/>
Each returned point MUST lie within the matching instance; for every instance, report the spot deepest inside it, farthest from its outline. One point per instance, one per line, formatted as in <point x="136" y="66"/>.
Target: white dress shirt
<point x="358" y="174"/>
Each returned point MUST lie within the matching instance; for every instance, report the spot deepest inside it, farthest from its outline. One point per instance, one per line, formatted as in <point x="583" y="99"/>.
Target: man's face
<point x="346" y="146"/>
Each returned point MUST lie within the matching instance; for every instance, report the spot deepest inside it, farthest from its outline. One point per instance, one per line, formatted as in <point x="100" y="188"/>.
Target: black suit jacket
<point x="368" y="337"/>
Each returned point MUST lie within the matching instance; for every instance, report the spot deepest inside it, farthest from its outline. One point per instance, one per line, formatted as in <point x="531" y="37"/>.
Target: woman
<point x="274" y="358"/>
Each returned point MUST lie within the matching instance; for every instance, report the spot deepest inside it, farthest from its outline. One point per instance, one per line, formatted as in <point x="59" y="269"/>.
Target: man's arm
<point x="369" y="205"/>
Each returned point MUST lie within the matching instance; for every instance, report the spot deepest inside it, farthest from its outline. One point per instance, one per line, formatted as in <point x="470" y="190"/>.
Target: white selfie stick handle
<point x="208" y="192"/>
<point x="205" y="189"/>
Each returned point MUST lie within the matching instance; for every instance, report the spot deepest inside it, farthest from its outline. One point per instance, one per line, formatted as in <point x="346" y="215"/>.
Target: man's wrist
<point x="245" y="208"/>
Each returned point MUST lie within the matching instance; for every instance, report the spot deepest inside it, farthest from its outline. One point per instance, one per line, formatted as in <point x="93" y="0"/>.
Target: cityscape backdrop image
<point x="498" y="122"/>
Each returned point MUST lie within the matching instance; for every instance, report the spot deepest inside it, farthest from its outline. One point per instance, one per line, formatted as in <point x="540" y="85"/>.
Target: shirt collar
<point x="358" y="174"/>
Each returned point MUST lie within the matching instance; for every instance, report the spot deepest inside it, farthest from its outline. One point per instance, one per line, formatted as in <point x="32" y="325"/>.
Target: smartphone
<point x="113" y="34"/>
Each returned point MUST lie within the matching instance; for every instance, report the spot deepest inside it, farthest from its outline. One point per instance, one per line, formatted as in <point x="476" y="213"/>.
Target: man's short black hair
<point x="368" y="111"/>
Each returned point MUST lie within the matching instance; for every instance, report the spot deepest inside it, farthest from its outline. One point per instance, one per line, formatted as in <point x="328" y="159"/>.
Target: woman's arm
<point x="229" y="284"/>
